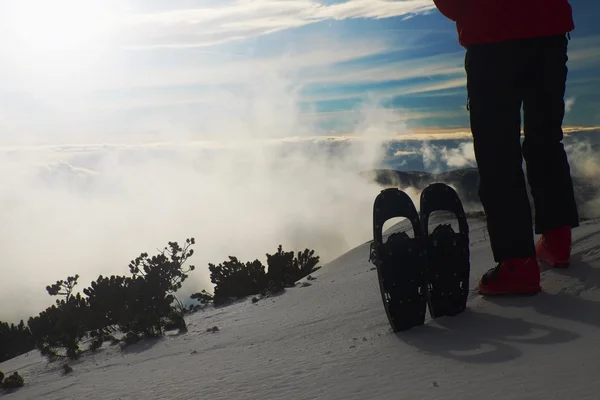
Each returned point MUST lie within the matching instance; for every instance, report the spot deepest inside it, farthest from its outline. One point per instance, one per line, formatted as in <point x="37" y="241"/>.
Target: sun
<point x="46" y="26"/>
<point x="55" y="46"/>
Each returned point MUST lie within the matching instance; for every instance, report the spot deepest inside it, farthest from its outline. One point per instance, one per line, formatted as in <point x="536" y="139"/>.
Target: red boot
<point x="554" y="247"/>
<point x="515" y="276"/>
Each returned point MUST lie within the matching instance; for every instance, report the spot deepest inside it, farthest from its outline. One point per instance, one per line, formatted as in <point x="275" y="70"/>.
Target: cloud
<point x="569" y="102"/>
<point x="154" y="114"/>
<point x="241" y="19"/>
<point x="439" y="65"/>
<point x="130" y="71"/>
<point x="583" y="53"/>
<point x="463" y="156"/>
<point x="191" y="97"/>
<point x="349" y="117"/>
<point x="427" y="87"/>
<point x="437" y="158"/>
<point x="584" y="160"/>
<point x="102" y="93"/>
<point x="90" y="209"/>
<point x="438" y="82"/>
<point x="401" y="153"/>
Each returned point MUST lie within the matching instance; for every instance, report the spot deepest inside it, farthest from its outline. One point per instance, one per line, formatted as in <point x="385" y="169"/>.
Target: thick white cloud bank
<point x="89" y="210"/>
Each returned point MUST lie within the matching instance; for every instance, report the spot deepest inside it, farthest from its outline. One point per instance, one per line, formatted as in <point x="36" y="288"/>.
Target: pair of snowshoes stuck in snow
<point x="427" y="270"/>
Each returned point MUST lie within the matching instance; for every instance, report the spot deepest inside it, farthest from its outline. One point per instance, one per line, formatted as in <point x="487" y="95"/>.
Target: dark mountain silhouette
<point x="466" y="183"/>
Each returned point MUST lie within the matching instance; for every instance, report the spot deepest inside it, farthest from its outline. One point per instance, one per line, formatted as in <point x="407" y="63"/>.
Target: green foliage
<point x="143" y="304"/>
<point x="235" y="279"/>
<point x="273" y="287"/>
<point x="140" y="305"/>
<point x="150" y="291"/>
<point x="203" y="298"/>
<point x="63" y="325"/>
<point x="287" y="268"/>
<point x="1" y="376"/>
<point x="14" y="340"/>
<point x="105" y="296"/>
<point x="62" y="288"/>
<point x="13" y="381"/>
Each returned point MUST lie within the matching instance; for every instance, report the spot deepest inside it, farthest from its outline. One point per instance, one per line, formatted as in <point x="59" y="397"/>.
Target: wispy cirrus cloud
<point x="205" y="26"/>
<point x="584" y="52"/>
<point x="108" y="68"/>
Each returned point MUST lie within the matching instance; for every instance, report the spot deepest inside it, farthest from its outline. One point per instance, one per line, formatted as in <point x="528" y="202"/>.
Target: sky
<point x="84" y="72"/>
<point x="126" y="124"/>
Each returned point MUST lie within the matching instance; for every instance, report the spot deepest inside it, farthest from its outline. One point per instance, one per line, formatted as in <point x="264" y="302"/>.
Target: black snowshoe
<point x="447" y="252"/>
<point x="425" y="270"/>
<point x="400" y="261"/>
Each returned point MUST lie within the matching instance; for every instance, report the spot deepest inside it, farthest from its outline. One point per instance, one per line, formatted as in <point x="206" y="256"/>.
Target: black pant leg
<point x="494" y="73"/>
<point x="548" y="170"/>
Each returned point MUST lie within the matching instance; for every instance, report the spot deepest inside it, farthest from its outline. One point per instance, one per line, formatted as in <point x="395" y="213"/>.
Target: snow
<point x="331" y="340"/>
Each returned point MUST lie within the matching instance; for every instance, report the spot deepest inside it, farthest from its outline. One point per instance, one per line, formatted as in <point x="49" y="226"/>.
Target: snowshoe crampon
<point x="400" y="261"/>
<point x="447" y="252"/>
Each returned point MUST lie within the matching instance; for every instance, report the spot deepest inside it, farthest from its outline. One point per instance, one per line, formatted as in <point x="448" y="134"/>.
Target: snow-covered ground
<point x="331" y="340"/>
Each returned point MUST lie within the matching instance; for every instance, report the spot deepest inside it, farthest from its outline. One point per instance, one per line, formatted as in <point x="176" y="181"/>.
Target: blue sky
<point x="143" y="70"/>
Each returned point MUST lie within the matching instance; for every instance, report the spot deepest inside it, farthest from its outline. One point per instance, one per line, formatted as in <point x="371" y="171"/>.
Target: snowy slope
<point x="331" y="340"/>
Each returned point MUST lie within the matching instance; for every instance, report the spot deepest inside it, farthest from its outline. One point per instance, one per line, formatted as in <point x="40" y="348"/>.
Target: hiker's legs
<point x="548" y="169"/>
<point x="493" y="85"/>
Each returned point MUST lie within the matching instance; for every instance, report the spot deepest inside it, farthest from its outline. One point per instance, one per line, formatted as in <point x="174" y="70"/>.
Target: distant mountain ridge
<point x="466" y="183"/>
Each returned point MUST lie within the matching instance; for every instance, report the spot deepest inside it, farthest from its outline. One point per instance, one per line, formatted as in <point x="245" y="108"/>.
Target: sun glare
<point x="54" y="46"/>
<point x="40" y="26"/>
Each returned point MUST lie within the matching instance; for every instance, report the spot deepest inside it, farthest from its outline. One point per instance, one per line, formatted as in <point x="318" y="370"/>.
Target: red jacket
<point x="486" y="21"/>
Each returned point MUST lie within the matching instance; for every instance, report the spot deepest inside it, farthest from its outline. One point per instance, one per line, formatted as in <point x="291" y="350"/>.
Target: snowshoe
<point x="447" y="252"/>
<point x="400" y="261"/>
